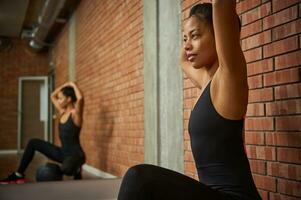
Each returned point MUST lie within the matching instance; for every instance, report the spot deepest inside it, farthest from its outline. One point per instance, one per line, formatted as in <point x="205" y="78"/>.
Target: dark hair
<point x="203" y="11"/>
<point x="68" y="91"/>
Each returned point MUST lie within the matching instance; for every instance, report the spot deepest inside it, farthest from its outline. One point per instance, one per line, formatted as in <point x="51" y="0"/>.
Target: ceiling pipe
<point x="46" y="19"/>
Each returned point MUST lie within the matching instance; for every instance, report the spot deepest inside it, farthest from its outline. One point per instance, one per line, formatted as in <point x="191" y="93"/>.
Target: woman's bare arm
<point x="230" y="86"/>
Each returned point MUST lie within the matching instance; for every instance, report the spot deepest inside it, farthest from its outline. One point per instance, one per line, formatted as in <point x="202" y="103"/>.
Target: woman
<point x="212" y="59"/>
<point x="68" y="100"/>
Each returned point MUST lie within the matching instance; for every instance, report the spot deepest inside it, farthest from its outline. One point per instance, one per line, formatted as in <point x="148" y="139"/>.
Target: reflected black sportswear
<point x="69" y="135"/>
<point x="70" y="154"/>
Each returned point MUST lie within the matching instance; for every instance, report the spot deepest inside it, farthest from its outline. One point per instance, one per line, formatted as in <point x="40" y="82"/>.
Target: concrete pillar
<point x="71" y="49"/>
<point x="163" y="84"/>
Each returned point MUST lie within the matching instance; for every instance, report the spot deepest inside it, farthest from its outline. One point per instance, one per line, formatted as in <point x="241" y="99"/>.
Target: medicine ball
<point x="49" y="172"/>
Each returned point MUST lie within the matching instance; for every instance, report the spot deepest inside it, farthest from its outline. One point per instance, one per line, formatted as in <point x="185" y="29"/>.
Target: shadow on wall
<point x="102" y="139"/>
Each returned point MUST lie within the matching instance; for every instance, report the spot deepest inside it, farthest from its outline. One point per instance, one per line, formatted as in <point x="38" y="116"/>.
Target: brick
<point x="280" y="4"/>
<point x="255" y="110"/>
<point x="187" y="93"/>
<point x="185" y="14"/>
<point x="244" y="6"/>
<point x="283" y="107"/>
<point x="253" y="54"/>
<point x="265" y="182"/>
<point x="189" y="167"/>
<point x="283" y="170"/>
<point x="260" y="95"/>
<point x="256" y="13"/>
<point x="186" y="134"/>
<point x="288" y="91"/>
<point x="188" y="84"/>
<point x="187" y="146"/>
<point x="258" y="167"/>
<point x="291" y="123"/>
<point x="188" y="156"/>
<point x="189" y="103"/>
<point x="286" y="30"/>
<point x="281" y="46"/>
<point x="288" y="60"/>
<point x="261" y="152"/>
<point x="281" y="77"/>
<point x="16" y="62"/>
<point x="277" y="196"/>
<point x="263" y="194"/>
<point x="257" y="124"/>
<point x="251" y="29"/>
<point x="289" y="187"/>
<point x="257" y="40"/>
<point x="280" y="17"/>
<point x="255" y="82"/>
<point x="289" y="139"/>
<point x="111" y="74"/>
<point x="256" y="138"/>
<point x="289" y="155"/>
<point x="188" y="3"/>
<point x="260" y="67"/>
<point x="186" y="114"/>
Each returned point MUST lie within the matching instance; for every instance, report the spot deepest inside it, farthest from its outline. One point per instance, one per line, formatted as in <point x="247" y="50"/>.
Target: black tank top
<point x="69" y="135"/>
<point x="218" y="150"/>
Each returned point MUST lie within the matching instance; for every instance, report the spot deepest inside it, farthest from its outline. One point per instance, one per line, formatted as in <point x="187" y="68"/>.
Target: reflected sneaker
<point x="13" y="179"/>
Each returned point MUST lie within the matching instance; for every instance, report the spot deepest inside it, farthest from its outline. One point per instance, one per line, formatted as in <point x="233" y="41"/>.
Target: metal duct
<point x="47" y="18"/>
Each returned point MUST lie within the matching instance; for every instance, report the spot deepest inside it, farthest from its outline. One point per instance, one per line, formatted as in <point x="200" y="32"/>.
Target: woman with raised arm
<point x="68" y="100"/>
<point x="212" y="59"/>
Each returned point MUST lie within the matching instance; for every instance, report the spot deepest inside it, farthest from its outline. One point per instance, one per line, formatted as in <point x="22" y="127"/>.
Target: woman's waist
<point x="225" y="174"/>
<point x="235" y="178"/>
<point x="72" y="149"/>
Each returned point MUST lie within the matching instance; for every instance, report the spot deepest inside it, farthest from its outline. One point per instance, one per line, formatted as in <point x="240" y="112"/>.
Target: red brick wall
<point x="271" y="44"/>
<point x="18" y="61"/>
<point x="59" y="58"/>
<point x="109" y="70"/>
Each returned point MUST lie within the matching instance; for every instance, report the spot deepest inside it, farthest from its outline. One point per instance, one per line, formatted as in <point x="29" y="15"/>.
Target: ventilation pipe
<point x="46" y="19"/>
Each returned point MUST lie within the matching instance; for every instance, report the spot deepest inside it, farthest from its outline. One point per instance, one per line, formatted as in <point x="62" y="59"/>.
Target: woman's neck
<point x="208" y="73"/>
<point x="69" y="108"/>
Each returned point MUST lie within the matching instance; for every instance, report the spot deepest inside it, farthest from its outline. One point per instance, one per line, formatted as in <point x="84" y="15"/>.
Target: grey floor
<point x="10" y="162"/>
<point x="100" y="189"/>
<point x="90" y="188"/>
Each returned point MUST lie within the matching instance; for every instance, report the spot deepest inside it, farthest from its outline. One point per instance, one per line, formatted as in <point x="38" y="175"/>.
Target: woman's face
<point x="63" y="100"/>
<point x="199" y="43"/>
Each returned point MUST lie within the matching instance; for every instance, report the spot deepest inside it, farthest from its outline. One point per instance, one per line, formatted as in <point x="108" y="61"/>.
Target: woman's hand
<point x="69" y="83"/>
<point x="72" y="84"/>
<point x="193" y="74"/>
<point x="183" y="58"/>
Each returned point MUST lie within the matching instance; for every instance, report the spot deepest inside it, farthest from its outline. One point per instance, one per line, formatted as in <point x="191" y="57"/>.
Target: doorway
<point x="33" y="108"/>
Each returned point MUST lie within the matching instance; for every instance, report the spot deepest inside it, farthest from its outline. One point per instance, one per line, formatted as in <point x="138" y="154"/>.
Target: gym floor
<point x="91" y="187"/>
<point x="10" y="162"/>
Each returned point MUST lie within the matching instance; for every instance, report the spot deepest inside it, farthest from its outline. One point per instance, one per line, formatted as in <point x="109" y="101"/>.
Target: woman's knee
<point x="141" y="173"/>
<point x="136" y="180"/>
<point x="34" y="142"/>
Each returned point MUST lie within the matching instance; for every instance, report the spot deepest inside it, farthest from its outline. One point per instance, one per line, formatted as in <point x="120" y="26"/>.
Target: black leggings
<point x="51" y="151"/>
<point x="148" y="182"/>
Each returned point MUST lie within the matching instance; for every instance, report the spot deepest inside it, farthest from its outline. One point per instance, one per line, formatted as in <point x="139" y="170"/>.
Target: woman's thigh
<point x="152" y="182"/>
